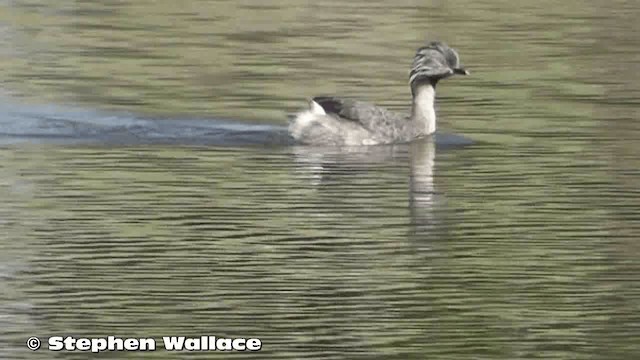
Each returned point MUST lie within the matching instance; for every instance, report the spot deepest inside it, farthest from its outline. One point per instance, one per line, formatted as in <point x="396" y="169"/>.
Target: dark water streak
<point x="523" y="245"/>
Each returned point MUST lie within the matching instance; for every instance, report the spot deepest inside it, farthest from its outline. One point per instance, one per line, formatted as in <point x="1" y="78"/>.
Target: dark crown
<point x="434" y="61"/>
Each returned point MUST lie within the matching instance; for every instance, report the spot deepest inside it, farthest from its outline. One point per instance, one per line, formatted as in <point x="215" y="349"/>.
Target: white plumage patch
<point x="305" y="118"/>
<point x="315" y="108"/>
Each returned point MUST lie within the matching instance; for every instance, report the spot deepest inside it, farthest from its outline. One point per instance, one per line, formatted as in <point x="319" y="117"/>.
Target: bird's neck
<point x="423" y="113"/>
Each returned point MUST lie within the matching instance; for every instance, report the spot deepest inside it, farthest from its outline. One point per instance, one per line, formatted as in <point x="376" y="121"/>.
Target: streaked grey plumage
<point x="435" y="60"/>
<point x="345" y="122"/>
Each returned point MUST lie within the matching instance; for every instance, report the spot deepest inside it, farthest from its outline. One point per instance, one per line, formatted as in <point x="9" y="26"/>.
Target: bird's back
<point x="340" y="121"/>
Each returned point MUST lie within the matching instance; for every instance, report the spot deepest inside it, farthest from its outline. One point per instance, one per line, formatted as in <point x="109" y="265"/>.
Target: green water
<point x="522" y="246"/>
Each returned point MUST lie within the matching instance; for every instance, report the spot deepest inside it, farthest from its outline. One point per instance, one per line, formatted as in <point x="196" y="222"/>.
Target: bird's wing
<point x="369" y="116"/>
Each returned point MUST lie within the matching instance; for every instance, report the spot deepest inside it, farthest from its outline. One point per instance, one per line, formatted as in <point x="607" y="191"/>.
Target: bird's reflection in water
<point x="422" y="193"/>
<point x="373" y="171"/>
<point x="322" y="164"/>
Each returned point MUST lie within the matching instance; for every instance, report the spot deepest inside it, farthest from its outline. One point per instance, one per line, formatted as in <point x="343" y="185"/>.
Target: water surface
<point x="523" y="245"/>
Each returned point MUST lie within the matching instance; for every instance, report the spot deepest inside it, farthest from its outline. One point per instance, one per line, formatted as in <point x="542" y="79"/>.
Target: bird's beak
<point x="461" y="71"/>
